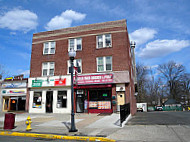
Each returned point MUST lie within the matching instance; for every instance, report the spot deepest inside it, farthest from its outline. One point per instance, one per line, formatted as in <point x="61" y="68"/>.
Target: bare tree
<point x="141" y="72"/>
<point x="3" y="72"/>
<point x="186" y="89"/>
<point x="153" y="89"/>
<point x="172" y="73"/>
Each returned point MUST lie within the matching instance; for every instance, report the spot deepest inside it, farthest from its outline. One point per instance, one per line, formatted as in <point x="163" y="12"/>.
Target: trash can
<point x="9" y="121"/>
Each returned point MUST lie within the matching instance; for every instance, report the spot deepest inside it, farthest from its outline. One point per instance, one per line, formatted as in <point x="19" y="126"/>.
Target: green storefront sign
<point x="37" y="83"/>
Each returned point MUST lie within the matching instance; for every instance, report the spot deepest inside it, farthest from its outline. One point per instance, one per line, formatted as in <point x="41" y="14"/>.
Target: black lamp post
<point x="72" y="55"/>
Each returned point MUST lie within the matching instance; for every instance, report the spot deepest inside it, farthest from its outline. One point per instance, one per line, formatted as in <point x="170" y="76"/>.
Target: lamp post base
<point x="73" y="130"/>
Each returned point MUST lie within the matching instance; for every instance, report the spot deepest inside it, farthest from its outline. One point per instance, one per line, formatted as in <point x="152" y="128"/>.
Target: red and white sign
<point x="61" y="82"/>
<point x="94" y="79"/>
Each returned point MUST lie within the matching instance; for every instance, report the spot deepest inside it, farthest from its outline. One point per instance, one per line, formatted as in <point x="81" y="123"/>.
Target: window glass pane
<point x="52" y="51"/>
<point x="53" y="44"/>
<point x="108" y="40"/>
<point x="44" y="72"/>
<point x="46" y="48"/>
<point x="108" y="60"/>
<point x="46" y="45"/>
<point x="37" y="100"/>
<point x="79" y="43"/>
<point x="71" y="44"/>
<point x="79" y="47"/>
<point x="46" y="51"/>
<point x="100" y="60"/>
<point x="62" y="99"/>
<point x="52" y="65"/>
<point x="51" y="72"/>
<point x="108" y="63"/>
<point x="108" y="67"/>
<point x="78" y="64"/>
<point x="100" y="41"/>
<point x="45" y="65"/>
<point x="100" y="68"/>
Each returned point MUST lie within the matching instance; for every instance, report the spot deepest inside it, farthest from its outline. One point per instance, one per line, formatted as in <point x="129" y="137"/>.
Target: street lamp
<point x="72" y="55"/>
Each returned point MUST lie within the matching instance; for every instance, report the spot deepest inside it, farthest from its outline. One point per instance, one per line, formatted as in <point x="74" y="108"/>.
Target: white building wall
<point x="62" y="110"/>
<point x="54" y="107"/>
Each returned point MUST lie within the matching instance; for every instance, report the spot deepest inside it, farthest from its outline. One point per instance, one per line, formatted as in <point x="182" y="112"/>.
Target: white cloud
<point x="20" y="20"/>
<point x="142" y="35"/>
<point x="64" y="20"/>
<point x="159" y="48"/>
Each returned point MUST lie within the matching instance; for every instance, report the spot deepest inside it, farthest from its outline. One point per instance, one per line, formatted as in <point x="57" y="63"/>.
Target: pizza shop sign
<point x="50" y="82"/>
<point x="93" y="79"/>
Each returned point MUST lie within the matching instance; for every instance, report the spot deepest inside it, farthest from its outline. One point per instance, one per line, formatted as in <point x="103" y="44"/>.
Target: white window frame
<point x="49" y="48"/>
<point x="104" y="64"/>
<point x="75" y="44"/>
<point x="74" y="62"/>
<point x="104" y="41"/>
<point x="48" y="68"/>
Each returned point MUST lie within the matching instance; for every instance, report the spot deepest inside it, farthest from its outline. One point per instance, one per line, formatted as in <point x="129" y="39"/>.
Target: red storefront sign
<point x="61" y="82"/>
<point x="94" y="79"/>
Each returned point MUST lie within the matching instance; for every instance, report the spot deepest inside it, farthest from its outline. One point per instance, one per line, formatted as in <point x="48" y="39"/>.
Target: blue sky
<point x="161" y="28"/>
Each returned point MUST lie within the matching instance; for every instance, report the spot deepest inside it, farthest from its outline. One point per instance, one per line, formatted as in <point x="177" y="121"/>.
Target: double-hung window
<point x="104" y="41"/>
<point x="48" y="69"/>
<point x="49" y="47"/>
<point x="77" y="63"/>
<point x="75" y="44"/>
<point x="104" y="63"/>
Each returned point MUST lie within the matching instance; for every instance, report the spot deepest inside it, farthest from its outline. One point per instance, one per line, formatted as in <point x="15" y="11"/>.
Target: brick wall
<point x="120" y="51"/>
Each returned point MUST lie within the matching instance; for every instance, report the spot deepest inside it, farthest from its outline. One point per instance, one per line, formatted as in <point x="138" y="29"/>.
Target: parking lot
<point x="157" y="126"/>
<point x="161" y="118"/>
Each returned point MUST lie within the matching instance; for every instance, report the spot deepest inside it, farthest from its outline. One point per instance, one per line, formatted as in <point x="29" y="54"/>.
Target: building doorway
<point x="80" y="103"/>
<point x="120" y="99"/>
<point x="49" y="101"/>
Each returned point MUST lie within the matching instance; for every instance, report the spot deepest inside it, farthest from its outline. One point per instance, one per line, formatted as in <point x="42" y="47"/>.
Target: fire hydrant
<point x="28" y="124"/>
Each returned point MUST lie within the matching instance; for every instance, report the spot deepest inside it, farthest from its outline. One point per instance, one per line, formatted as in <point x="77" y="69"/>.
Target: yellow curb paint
<point x="51" y="136"/>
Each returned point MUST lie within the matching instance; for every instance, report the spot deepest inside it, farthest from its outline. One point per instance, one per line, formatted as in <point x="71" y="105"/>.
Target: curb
<point x="52" y="136"/>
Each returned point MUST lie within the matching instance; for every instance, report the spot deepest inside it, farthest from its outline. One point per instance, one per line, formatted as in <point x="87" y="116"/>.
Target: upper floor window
<point x="77" y="63"/>
<point x="104" y="41"/>
<point x="49" y="47"/>
<point x="48" y="68"/>
<point x="104" y="63"/>
<point x="75" y="44"/>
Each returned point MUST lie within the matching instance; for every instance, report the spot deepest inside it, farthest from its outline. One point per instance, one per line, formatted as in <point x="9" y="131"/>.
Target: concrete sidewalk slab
<point x="106" y="122"/>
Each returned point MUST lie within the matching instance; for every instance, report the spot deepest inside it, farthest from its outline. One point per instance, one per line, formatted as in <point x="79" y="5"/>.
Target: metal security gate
<point x="124" y="112"/>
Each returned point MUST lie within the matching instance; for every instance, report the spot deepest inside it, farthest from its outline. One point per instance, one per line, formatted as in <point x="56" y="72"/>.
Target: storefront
<point x="93" y="93"/>
<point x="50" y="94"/>
<point x="14" y="95"/>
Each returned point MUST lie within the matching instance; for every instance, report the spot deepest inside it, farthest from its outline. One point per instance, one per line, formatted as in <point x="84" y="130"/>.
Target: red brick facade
<point x="120" y="52"/>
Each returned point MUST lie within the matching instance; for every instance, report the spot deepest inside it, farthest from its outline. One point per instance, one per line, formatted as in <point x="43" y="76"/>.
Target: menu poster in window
<point x="104" y="105"/>
<point x="93" y="104"/>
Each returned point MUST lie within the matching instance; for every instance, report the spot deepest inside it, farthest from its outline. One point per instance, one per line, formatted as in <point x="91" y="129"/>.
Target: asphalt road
<point x="160" y="118"/>
<point x="29" y="139"/>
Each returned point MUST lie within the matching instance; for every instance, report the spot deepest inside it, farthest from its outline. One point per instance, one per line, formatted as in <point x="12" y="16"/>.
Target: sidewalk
<point x="87" y="124"/>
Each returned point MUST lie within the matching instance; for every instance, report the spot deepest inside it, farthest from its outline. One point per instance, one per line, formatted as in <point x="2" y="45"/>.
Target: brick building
<point x="105" y="75"/>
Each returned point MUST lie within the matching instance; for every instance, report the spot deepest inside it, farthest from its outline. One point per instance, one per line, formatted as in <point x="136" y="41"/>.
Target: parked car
<point x="140" y="109"/>
<point x="159" y="108"/>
